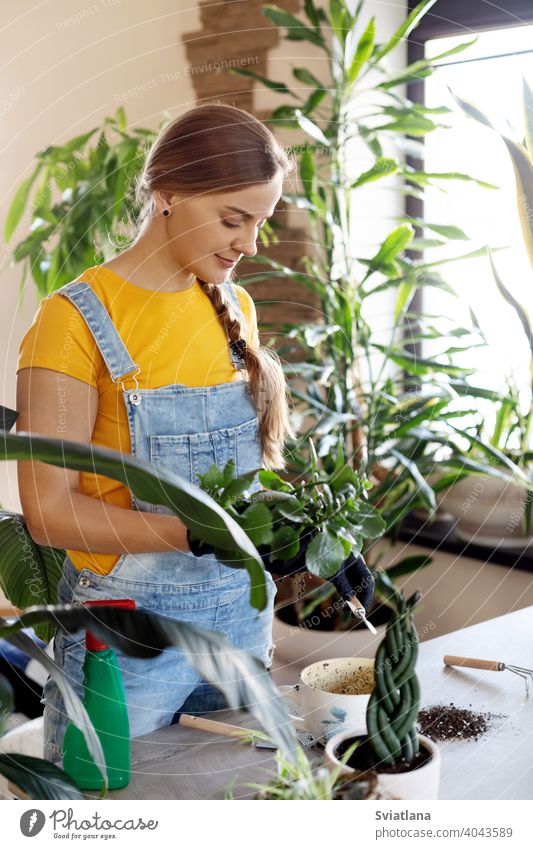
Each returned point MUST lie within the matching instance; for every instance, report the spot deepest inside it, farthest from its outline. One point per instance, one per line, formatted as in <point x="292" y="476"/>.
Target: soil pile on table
<point x="448" y="722"/>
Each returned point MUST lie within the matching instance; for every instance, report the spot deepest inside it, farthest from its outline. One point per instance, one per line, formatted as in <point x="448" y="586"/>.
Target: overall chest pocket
<point x="191" y="455"/>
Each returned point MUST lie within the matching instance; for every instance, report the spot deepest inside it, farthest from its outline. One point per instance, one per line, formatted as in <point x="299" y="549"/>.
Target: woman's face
<point x="202" y="231"/>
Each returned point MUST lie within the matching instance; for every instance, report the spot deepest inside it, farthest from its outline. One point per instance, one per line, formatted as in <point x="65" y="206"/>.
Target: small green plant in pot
<point x="407" y="763"/>
<point x="301" y="781"/>
<point x="319" y="524"/>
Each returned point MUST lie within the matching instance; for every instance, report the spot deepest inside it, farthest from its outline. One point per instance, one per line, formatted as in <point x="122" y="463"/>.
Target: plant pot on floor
<point x="421" y="783"/>
<point x="489" y="511"/>
<point x="305" y="644"/>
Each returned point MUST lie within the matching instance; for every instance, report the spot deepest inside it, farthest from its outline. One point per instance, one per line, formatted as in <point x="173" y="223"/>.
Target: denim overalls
<point x="184" y="430"/>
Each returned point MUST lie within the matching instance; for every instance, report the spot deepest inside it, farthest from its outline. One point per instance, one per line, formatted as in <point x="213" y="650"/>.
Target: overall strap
<point x="106" y="336"/>
<point x="236" y="351"/>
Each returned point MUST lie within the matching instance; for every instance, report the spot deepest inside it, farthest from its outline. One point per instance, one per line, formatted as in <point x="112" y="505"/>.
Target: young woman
<point x="156" y="353"/>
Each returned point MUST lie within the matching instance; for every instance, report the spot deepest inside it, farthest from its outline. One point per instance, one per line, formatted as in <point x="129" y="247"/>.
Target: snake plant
<point x="394" y="703"/>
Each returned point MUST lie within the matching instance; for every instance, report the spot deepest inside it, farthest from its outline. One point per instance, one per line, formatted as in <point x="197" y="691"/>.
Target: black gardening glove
<point x="199" y="548"/>
<point x="296" y="564"/>
<point x="354" y="578"/>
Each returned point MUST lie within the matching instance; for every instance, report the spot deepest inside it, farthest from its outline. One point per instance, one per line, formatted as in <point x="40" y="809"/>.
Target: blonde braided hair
<point x="266" y="381"/>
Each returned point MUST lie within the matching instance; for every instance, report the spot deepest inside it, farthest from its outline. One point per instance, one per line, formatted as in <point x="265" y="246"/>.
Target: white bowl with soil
<point x="332" y="696"/>
<point x="416" y="781"/>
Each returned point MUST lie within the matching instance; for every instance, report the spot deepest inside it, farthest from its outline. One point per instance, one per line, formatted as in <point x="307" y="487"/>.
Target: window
<point x="489" y="75"/>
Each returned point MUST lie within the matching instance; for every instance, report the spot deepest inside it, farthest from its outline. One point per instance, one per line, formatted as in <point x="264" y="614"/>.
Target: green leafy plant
<point x="372" y="390"/>
<point x="391" y="738"/>
<point x="240" y="676"/>
<point x="512" y="431"/>
<point x="77" y="195"/>
<point x="139" y="633"/>
<point x="276" y="517"/>
<point x="298" y="780"/>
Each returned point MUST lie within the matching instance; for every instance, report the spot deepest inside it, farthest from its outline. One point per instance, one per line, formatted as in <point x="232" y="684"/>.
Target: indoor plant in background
<point x="394" y="425"/>
<point x="493" y="510"/>
<point x="407" y="763"/>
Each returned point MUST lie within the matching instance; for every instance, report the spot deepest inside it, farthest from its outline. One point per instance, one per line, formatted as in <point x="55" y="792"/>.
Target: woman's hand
<point x="355" y="578"/>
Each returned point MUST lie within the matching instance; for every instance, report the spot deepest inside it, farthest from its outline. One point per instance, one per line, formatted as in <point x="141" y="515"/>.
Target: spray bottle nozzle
<point x="91" y="643"/>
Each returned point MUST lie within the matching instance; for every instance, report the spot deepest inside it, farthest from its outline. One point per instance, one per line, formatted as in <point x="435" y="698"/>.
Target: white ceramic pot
<point x="417" y="784"/>
<point x="489" y="511"/>
<point x="332" y="696"/>
<point x="302" y="646"/>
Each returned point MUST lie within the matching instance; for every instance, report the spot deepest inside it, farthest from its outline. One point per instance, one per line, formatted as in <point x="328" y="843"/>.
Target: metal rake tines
<point x="523" y="671"/>
<point x="491" y="665"/>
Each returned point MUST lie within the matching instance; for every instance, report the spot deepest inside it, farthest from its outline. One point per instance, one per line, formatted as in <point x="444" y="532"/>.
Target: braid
<point x="266" y="382"/>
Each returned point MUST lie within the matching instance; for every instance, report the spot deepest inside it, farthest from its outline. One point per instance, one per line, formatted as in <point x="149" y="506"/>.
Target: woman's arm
<point x="56" y="513"/>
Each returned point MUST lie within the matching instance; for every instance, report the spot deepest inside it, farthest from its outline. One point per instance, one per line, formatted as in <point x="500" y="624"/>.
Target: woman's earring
<point x="166" y="212"/>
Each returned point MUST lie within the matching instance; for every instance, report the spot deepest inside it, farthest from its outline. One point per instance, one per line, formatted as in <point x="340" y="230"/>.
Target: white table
<point x="180" y="763"/>
<point x="499" y="765"/>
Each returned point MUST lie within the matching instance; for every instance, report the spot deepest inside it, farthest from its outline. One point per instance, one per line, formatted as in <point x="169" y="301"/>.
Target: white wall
<point x="66" y="66"/>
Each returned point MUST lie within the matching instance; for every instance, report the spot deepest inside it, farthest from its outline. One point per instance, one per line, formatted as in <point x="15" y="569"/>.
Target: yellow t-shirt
<point x="174" y="337"/>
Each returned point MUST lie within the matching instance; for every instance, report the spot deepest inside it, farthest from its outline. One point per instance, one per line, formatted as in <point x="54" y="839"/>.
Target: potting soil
<point x="448" y="722"/>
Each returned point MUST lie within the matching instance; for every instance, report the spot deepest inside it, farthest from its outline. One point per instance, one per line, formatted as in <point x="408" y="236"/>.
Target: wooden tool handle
<point x="214" y="727"/>
<point x="473" y="662"/>
<point x="354" y="602"/>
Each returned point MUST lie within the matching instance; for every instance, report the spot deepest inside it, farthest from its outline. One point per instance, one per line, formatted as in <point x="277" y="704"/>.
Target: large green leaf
<point x="311" y="128"/>
<point x="382" y="167"/>
<point x="496" y="456"/>
<point x="395" y="243"/>
<point x="195" y="508"/>
<point x="522" y="165"/>
<point x="29" y="573"/>
<point x="421" y="365"/>
<point x="74" y="707"/>
<point x="18" y="204"/>
<point x="38" y="779"/>
<point x="363" y="51"/>
<point x="139" y="633"/>
<point x="409" y="565"/>
<point x="324" y="555"/>
<point x="296" y="29"/>
<point x="403" y="32"/>
<point x="424" y="489"/>
<point x="281" y="88"/>
<point x="516" y="305"/>
<point x="7" y="703"/>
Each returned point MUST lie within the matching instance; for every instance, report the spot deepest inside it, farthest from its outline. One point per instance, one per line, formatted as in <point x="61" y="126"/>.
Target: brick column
<point x="236" y="34"/>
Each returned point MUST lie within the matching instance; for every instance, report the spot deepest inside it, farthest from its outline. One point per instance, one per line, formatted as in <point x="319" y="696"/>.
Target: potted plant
<point x="300" y="781"/>
<point x="331" y="507"/>
<point x="407" y="764"/>
<point x="370" y="389"/>
<point x="496" y="510"/>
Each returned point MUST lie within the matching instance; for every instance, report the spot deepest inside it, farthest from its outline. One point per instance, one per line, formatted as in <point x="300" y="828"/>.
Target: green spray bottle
<point x="105" y="702"/>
